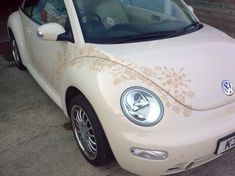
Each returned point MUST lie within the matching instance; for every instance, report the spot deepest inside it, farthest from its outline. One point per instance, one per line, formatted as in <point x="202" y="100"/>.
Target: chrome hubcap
<point x="15" y="52"/>
<point x="84" y="132"/>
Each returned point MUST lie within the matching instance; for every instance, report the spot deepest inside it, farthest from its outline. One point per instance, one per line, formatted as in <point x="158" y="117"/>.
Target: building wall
<point x="218" y="13"/>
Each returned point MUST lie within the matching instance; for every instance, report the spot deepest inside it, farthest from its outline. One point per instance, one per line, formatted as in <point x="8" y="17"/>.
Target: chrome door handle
<point x="28" y="30"/>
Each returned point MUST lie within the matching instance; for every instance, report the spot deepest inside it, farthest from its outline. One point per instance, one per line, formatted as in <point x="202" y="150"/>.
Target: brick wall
<point x="218" y="13"/>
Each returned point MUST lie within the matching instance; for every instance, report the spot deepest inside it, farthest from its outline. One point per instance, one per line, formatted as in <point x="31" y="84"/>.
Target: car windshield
<point x="123" y="21"/>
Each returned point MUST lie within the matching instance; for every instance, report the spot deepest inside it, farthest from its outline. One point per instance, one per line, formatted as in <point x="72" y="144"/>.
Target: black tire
<point x="16" y="54"/>
<point x="81" y="110"/>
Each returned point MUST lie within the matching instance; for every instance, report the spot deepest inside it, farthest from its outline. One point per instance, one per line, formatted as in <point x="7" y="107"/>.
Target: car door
<point x="45" y="54"/>
<point x="25" y="14"/>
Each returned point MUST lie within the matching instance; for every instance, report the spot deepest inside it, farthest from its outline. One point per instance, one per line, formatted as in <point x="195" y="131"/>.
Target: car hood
<point x="189" y="68"/>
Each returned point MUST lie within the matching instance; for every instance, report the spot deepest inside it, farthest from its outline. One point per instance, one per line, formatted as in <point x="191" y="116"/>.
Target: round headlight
<point x="142" y="106"/>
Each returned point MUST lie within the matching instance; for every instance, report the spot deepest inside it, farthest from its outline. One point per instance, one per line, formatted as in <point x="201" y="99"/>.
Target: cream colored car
<point x="143" y="81"/>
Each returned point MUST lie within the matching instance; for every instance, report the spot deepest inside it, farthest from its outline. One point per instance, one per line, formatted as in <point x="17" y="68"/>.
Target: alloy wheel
<point x="84" y="132"/>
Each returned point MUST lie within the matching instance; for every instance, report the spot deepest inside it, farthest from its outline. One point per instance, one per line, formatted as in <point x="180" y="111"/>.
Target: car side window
<point x="50" y="11"/>
<point x="28" y="6"/>
<point x="46" y="11"/>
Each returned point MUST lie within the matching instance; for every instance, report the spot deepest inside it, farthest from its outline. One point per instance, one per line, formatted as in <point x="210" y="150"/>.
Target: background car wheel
<point x="16" y="54"/>
<point x="88" y="132"/>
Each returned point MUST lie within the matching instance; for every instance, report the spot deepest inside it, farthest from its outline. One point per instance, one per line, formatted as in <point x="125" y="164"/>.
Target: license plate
<point x="225" y="144"/>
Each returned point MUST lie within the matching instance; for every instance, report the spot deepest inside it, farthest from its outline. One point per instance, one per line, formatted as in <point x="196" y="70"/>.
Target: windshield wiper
<point x="159" y="35"/>
<point x="196" y="24"/>
<point x="146" y="36"/>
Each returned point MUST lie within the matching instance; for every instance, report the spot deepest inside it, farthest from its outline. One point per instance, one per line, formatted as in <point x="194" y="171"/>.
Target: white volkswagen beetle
<point x="144" y="81"/>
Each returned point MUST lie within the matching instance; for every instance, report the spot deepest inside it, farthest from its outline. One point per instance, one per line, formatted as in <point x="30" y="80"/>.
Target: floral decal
<point x="166" y="81"/>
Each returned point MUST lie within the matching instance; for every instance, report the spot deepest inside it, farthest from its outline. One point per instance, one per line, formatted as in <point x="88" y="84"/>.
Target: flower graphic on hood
<point x="171" y="83"/>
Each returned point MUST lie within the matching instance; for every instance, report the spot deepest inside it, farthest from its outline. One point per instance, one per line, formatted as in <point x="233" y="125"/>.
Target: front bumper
<point x="189" y="141"/>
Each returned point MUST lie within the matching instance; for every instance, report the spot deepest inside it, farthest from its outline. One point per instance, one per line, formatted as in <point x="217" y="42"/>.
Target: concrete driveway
<point x="35" y="141"/>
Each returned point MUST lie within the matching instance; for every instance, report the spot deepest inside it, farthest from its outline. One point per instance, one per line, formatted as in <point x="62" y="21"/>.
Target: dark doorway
<point x="6" y="8"/>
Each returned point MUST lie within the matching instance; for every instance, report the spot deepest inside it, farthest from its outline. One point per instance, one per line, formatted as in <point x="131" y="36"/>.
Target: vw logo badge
<point x="227" y="87"/>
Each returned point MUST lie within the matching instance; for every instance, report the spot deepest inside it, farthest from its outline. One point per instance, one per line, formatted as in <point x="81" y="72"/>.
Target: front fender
<point x="103" y="78"/>
<point x="14" y="24"/>
<point x="97" y="87"/>
<point x="102" y="82"/>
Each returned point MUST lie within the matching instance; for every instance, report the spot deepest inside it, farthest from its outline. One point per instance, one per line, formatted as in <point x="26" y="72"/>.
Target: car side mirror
<point x="191" y="8"/>
<point x="50" y="31"/>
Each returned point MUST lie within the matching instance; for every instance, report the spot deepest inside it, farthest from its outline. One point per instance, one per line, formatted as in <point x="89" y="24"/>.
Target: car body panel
<point x="193" y="120"/>
<point x="184" y="143"/>
<point x="41" y="61"/>
<point x="186" y="59"/>
<point x="105" y="68"/>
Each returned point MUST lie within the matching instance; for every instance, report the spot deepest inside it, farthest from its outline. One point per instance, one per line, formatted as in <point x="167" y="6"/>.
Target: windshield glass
<point x="121" y="21"/>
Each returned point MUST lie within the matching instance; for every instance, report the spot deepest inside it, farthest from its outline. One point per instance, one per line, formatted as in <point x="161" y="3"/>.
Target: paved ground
<point x="34" y="142"/>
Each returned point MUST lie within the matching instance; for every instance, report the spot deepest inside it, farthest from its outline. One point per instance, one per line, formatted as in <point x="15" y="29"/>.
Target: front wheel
<point x="16" y="54"/>
<point x="88" y="132"/>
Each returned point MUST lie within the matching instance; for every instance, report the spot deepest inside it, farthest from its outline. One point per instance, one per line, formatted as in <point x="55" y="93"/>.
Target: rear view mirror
<point x="50" y="31"/>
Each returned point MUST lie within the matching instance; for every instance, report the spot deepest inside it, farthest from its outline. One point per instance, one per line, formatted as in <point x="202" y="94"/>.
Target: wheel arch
<point x="86" y="83"/>
<point x="80" y="85"/>
<point x="74" y="90"/>
<point x="70" y="93"/>
<point x="78" y="79"/>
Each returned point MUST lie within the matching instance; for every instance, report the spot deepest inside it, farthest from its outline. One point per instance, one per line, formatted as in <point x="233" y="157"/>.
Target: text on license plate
<point x="225" y="144"/>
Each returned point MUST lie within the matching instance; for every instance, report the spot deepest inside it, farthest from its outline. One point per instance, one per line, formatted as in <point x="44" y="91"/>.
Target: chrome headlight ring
<point x="142" y="106"/>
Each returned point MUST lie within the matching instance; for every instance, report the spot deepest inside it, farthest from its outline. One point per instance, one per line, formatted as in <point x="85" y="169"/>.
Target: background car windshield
<point x="114" y="21"/>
